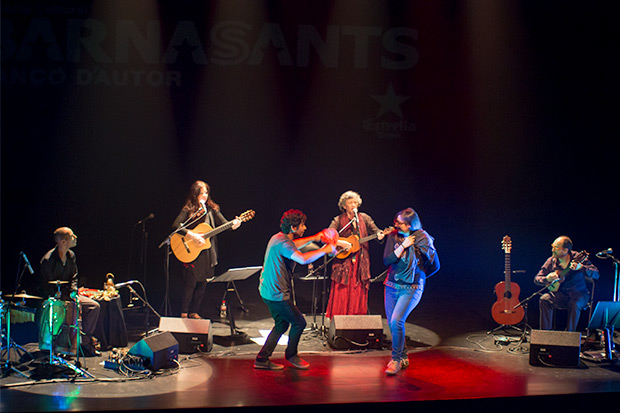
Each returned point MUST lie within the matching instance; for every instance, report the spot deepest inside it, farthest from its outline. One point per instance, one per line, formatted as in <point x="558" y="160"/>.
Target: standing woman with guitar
<point x="351" y="274"/>
<point x="565" y="274"/>
<point x="199" y="208"/>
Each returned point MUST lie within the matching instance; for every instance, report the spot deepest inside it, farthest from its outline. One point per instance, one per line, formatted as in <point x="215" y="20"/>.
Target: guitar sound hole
<point x="508" y="295"/>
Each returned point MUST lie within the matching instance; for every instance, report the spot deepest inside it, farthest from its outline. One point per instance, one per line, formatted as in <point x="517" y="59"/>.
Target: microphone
<point x="30" y="270"/>
<point x="356" y="217"/>
<point x="146" y="218"/>
<point x="123" y="284"/>
<point x="604" y="253"/>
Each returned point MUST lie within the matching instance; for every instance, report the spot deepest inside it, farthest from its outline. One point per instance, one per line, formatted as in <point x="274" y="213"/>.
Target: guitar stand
<point x="526" y="327"/>
<point x="504" y="327"/>
<point x="236" y="336"/>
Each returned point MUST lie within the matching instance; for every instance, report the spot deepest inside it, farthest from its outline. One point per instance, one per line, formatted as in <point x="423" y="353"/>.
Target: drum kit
<point x="58" y="328"/>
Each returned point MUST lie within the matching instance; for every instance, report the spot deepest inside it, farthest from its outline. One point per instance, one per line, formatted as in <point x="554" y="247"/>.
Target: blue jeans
<point x="284" y="314"/>
<point x="398" y="305"/>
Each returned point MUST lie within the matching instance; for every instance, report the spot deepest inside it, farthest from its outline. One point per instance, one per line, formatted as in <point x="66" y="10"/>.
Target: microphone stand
<point x="166" y="303"/>
<point x="524" y="304"/>
<point x="616" y="295"/>
<point x="310" y="276"/>
<point x="314" y="278"/>
<point x="144" y="301"/>
<point x="348" y="223"/>
<point x="143" y="250"/>
<point x="10" y="343"/>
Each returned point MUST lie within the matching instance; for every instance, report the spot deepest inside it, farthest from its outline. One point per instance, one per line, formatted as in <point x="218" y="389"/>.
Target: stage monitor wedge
<point x="555" y="348"/>
<point x="160" y="351"/>
<point x="193" y="335"/>
<point x="356" y="332"/>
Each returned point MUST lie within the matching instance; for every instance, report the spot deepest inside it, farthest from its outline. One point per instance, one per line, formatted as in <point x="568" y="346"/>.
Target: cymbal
<point x="23" y="295"/>
<point x="58" y="282"/>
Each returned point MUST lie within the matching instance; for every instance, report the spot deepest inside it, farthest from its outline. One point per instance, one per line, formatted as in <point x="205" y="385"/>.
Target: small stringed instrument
<point x="356" y="242"/>
<point x="578" y="259"/>
<point x="507" y="292"/>
<point x="187" y="250"/>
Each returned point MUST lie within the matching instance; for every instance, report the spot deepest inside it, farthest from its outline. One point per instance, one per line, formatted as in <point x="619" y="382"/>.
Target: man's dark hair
<point x="291" y="218"/>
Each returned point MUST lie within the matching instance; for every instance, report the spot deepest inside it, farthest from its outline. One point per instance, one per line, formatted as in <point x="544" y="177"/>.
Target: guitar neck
<point x="507" y="271"/>
<point x="218" y="230"/>
<point x="368" y="238"/>
<point x="375" y="235"/>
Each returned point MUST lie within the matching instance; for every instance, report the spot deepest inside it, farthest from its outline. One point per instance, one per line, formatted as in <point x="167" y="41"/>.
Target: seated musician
<point x="565" y="270"/>
<point x="59" y="264"/>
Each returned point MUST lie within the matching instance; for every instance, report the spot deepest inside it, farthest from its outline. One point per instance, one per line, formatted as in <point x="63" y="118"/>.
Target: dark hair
<point x="191" y="202"/>
<point x="291" y="218"/>
<point x="411" y="217"/>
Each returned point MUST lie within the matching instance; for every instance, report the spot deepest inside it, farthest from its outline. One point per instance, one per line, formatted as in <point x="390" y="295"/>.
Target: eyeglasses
<point x="398" y="223"/>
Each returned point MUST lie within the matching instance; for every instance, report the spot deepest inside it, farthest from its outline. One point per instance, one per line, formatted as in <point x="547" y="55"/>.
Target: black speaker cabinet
<point x="192" y="335"/>
<point x="355" y="332"/>
<point x="160" y="350"/>
<point x="555" y="348"/>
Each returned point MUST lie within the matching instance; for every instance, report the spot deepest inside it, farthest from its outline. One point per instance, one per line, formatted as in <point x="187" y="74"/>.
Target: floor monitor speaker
<point x="356" y="332"/>
<point x="193" y="335"/>
<point x="555" y="348"/>
<point x="160" y="351"/>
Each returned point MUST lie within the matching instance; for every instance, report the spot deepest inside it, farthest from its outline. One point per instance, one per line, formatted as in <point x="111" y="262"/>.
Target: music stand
<point x="229" y="277"/>
<point x="606" y="317"/>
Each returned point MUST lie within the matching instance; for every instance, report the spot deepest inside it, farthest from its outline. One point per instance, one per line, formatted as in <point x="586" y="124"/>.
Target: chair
<point x="589" y="306"/>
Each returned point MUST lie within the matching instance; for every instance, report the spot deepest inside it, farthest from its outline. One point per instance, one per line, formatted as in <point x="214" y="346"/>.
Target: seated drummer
<point x="59" y="264"/>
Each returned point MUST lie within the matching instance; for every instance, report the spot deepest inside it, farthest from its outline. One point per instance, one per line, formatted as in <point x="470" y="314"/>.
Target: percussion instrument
<point x="24" y="295"/>
<point x="58" y="326"/>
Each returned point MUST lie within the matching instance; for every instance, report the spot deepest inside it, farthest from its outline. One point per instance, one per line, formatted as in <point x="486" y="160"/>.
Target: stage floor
<point x="470" y="369"/>
<point x="455" y="363"/>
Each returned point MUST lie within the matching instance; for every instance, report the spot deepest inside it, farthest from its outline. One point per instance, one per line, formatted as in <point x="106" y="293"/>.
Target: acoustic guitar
<point x="507" y="292"/>
<point x="356" y="242"/>
<point x="578" y="259"/>
<point x="187" y="250"/>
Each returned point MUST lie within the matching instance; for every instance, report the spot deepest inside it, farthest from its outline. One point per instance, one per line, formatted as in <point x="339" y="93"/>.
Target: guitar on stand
<point x="506" y="310"/>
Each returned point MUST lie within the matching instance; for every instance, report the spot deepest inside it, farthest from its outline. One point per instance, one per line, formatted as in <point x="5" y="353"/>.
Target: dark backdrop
<point x="489" y="118"/>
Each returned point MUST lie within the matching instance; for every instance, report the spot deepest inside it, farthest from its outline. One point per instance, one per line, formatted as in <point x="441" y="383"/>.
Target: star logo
<point x="390" y="102"/>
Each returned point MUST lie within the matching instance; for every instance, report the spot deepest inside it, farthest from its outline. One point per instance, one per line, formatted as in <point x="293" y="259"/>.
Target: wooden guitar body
<point x="354" y="240"/>
<point x="187" y="250"/>
<point x="503" y="311"/>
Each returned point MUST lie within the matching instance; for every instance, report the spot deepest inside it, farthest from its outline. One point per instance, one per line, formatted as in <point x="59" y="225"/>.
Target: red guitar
<point x="507" y="292"/>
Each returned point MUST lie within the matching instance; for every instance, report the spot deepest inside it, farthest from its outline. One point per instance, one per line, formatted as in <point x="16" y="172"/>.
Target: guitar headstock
<point x="247" y="215"/>
<point x="388" y="230"/>
<point x="581" y="257"/>
<point x="506" y="244"/>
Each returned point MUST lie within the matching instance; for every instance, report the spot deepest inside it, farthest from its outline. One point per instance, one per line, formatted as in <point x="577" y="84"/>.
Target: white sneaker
<point x="393" y="367"/>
